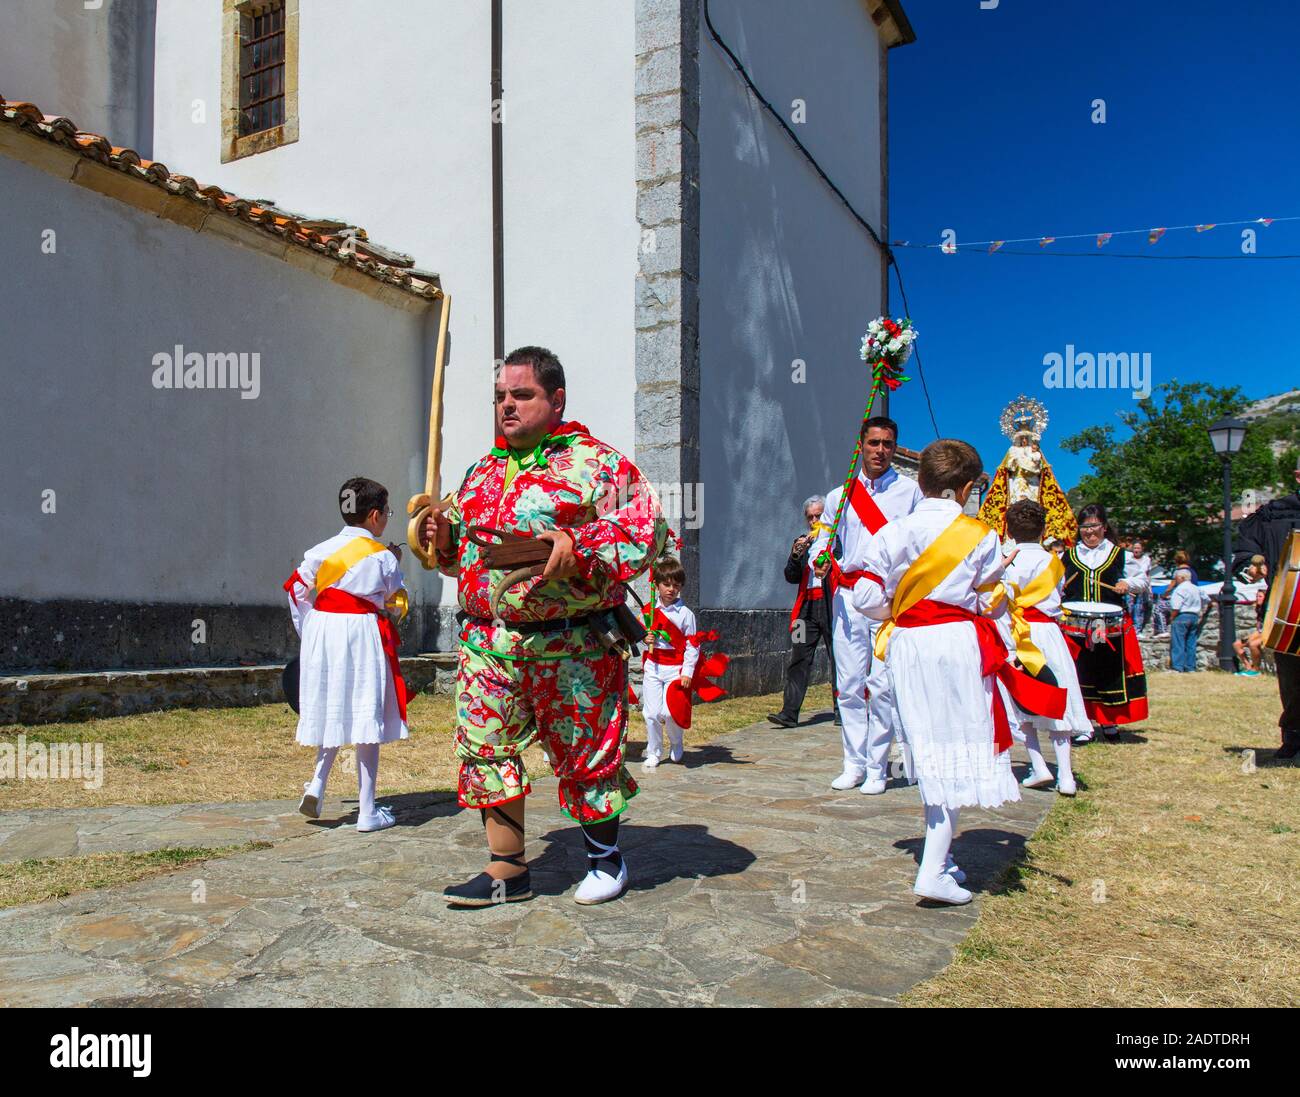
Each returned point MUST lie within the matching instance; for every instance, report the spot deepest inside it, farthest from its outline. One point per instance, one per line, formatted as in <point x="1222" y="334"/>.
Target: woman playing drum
<point x="1107" y="658"/>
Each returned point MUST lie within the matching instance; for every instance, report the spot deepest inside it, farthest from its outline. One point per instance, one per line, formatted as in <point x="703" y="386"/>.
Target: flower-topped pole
<point x="885" y="348"/>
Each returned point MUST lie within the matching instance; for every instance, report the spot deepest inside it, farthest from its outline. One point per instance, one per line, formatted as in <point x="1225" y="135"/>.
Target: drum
<point x="1281" y="627"/>
<point x="1092" y="622"/>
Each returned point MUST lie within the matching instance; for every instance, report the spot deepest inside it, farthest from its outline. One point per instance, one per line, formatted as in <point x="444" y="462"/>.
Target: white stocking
<point x="1034" y="751"/>
<point x="1061" y="743"/>
<point x="940" y="825"/>
<point x="367" y="773"/>
<point x="324" y="761"/>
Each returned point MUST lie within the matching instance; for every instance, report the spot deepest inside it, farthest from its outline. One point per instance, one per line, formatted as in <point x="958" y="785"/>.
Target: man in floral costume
<point x="533" y="667"/>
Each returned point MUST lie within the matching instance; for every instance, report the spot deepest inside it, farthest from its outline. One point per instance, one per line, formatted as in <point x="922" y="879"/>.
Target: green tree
<point x="1163" y="481"/>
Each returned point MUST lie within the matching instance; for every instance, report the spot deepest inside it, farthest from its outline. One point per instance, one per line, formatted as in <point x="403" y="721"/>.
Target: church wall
<point x="175" y="506"/>
<point x="786" y="277"/>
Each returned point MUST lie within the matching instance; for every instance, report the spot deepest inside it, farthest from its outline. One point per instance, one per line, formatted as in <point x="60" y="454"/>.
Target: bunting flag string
<point x="1153" y="235"/>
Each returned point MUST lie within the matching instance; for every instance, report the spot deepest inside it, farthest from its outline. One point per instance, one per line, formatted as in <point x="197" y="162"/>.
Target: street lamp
<point x="1226" y="436"/>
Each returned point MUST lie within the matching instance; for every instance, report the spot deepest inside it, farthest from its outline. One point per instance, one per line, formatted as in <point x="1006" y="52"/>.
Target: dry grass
<point x="1196" y="857"/>
<point x="242" y="754"/>
<point x="34" y="881"/>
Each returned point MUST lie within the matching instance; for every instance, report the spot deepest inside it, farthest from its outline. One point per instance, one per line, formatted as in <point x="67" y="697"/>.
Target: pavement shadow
<point x="656" y="855"/>
<point x="992" y="858"/>
<point x="412" y="809"/>
<point x="711" y="754"/>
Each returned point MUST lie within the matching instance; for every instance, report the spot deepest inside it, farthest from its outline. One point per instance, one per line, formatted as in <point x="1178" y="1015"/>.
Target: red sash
<point x="333" y="600"/>
<point x="1029" y="693"/>
<point x="865" y="507"/>
<point x="873" y="520"/>
<point x="1033" y="613"/>
<point x="805" y="594"/>
<point x="668" y="657"/>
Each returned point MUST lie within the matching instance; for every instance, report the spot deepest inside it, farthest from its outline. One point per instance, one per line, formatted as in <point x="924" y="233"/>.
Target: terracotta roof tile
<point x="346" y="244"/>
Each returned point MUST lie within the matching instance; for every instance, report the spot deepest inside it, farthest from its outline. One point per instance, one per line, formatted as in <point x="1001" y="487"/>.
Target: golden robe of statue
<point x="1025" y="474"/>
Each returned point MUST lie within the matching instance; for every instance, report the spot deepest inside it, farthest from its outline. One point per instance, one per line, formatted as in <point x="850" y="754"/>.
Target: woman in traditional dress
<point x="1111" y="676"/>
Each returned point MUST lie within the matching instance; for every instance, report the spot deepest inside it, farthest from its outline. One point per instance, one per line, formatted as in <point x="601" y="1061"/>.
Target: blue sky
<point x="991" y="136"/>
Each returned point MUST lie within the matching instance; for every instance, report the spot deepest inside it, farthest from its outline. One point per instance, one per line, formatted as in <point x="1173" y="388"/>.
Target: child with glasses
<point x="343" y="598"/>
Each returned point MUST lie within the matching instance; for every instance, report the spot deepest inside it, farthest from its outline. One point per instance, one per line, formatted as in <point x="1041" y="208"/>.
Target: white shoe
<point x="950" y="867"/>
<point x="651" y="762"/>
<point x="381" y="820"/>
<point x="1085" y="737"/>
<point x="873" y="786"/>
<point x="310" y="805"/>
<point x="850" y="778"/>
<point x="1067" y="788"/>
<point x="942" y="889"/>
<point x="600" y="887"/>
<point x="1038" y="780"/>
<point x="677" y="753"/>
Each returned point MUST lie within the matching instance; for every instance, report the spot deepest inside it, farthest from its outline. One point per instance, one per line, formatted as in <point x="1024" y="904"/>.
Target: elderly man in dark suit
<point x="810" y="618"/>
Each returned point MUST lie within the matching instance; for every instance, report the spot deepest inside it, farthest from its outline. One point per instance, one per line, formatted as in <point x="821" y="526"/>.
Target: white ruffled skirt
<point x="345" y="689"/>
<point x="945" y="707"/>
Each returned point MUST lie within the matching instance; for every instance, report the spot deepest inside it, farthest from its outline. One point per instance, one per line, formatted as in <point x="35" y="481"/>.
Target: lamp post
<point x="1226" y="436"/>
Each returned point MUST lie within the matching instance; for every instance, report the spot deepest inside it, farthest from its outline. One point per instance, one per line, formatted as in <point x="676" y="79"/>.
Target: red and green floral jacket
<point x="575" y="483"/>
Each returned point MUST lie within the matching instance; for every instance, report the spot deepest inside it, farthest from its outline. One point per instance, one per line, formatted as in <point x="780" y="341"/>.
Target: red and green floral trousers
<point x="575" y="706"/>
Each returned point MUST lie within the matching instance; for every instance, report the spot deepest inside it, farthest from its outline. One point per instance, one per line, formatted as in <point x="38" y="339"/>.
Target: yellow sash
<point x="1030" y="595"/>
<point x="336" y="565"/>
<point x="931" y="568"/>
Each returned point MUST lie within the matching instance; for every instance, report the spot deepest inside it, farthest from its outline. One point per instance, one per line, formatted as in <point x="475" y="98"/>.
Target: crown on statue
<point x="1024" y="415"/>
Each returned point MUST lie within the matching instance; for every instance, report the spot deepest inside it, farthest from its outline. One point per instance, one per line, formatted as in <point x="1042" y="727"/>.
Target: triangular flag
<point x="1266" y="221"/>
<point x="1203" y="228"/>
<point x="995" y="245"/>
<point x="1045" y="241"/>
<point x="1155" y="235"/>
<point x="1103" y="239"/>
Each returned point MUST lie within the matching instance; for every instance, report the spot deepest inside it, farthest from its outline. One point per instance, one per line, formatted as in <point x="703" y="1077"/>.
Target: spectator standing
<point x="1138" y="600"/>
<point x="809" y="620"/>
<point x="1185" y="603"/>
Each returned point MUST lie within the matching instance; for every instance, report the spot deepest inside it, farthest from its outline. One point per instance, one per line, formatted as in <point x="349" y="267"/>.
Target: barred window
<point x="261" y="68"/>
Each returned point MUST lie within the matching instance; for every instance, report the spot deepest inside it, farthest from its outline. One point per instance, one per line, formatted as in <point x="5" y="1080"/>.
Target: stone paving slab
<point x="753" y="883"/>
<point x="76" y="832"/>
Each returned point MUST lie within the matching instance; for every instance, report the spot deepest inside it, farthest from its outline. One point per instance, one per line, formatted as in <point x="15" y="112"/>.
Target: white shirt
<point x="1030" y="562"/>
<point x="375" y="577"/>
<point x="1137" y="567"/>
<point x="893" y="550"/>
<point x="1095" y="557"/>
<point x="1185" y="598"/>
<point x="895" y="495"/>
<point x="681" y="616"/>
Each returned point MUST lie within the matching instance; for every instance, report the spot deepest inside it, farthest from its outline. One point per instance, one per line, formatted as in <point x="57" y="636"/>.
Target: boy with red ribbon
<point x="350" y="688"/>
<point x="672" y="671"/>
<point x="922" y="576"/>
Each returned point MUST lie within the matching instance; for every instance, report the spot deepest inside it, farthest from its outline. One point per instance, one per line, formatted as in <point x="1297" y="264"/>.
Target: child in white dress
<point x="1033" y="583"/>
<point x="672" y="657"/>
<point x="350" y="685"/>
<point x="921" y="575"/>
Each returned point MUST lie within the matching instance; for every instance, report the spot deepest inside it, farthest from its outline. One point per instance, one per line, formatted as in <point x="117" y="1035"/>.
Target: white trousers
<point x="868" y="727"/>
<point x="654" y="708"/>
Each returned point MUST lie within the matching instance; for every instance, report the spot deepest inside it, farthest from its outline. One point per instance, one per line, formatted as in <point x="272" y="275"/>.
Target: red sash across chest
<point x="873" y="520"/>
<point x="668" y="657"/>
